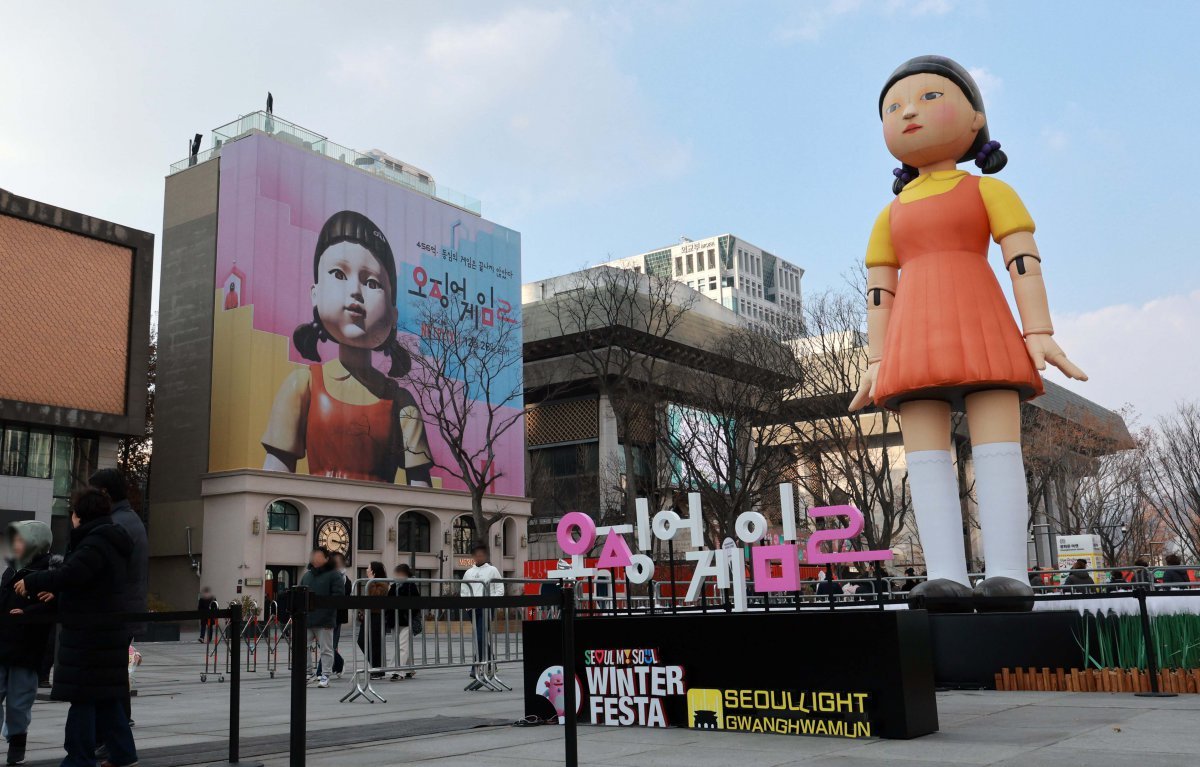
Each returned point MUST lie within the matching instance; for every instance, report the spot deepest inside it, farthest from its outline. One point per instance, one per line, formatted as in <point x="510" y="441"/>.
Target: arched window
<point x="283" y="516"/>
<point x="412" y="526"/>
<point x="510" y="537"/>
<point x="366" y="530"/>
<point x="464" y="534"/>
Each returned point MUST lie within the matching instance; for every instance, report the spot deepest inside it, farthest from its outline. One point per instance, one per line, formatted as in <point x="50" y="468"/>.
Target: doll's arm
<point x="1024" y="265"/>
<point x="881" y="292"/>
<point x="284" y="438"/>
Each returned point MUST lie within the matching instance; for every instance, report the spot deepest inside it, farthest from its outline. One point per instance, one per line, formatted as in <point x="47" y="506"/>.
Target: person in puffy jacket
<point x="22" y="645"/>
<point x="91" y="668"/>
<point x="323" y="580"/>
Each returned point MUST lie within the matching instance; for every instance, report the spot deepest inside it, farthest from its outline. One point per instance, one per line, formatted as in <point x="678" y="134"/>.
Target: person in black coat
<point x="1175" y="575"/>
<point x="22" y="645"/>
<point x="91" y="670"/>
<point x="406" y="623"/>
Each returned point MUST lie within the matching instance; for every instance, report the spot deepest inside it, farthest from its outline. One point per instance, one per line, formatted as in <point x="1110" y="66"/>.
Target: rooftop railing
<point x="291" y="133"/>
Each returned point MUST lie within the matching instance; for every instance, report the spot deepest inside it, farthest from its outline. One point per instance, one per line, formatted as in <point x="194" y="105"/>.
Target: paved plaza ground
<point x="429" y="721"/>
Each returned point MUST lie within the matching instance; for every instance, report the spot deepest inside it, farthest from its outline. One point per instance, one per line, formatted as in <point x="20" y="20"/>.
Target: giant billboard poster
<point x="324" y="276"/>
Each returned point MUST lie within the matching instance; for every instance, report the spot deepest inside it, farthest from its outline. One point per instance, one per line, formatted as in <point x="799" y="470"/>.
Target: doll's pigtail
<point x="401" y="360"/>
<point x="990" y="159"/>
<point x="903" y="174"/>
<point x="307" y="336"/>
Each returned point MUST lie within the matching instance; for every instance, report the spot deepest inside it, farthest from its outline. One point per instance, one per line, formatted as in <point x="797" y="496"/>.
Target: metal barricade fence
<point x="362" y="606"/>
<point x="398" y="643"/>
<point x="232" y="615"/>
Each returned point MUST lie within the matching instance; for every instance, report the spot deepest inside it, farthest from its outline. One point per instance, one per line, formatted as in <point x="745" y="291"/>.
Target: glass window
<point x="13" y="451"/>
<point x="712" y="259"/>
<point x="712" y="283"/>
<point x="40" y="449"/>
<point x="283" y="516"/>
<point x="690" y="262"/>
<point x="414" y="526"/>
<point x="464" y="535"/>
<point x="678" y="265"/>
<point x="366" y="530"/>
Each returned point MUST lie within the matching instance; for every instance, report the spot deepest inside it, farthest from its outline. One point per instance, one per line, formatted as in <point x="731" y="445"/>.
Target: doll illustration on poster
<point x="941" y="335"/>
<point x="347" y="417"/>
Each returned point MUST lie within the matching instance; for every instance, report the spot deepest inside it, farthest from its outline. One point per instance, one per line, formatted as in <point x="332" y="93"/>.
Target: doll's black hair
<point x="985" y="152"/>
<point x="350" y="226"/>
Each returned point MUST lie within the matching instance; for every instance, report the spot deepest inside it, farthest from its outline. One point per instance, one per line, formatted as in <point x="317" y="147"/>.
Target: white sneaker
<point x="324" y="682"/>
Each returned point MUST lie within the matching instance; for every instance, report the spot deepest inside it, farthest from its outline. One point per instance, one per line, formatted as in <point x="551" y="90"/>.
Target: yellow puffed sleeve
<point x="1006" y="212"/>
<point x="879" y="247"/>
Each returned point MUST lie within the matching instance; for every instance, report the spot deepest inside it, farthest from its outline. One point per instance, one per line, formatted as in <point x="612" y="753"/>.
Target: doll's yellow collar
<point x="937" y="175"/>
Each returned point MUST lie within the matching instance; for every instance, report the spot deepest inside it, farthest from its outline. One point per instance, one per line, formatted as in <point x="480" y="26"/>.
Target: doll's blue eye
<point x="892" y="108"/>
<point x="931" y="96"/>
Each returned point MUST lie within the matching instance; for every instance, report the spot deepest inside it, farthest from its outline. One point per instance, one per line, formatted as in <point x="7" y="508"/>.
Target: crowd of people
<point x="102" y="577"/>
<point x="326" y="576"/>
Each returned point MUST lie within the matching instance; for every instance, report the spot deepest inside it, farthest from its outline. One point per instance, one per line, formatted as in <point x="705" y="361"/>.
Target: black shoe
<point x="16" y="749"/>
<point x="941" y="595"/>
<point x="1003" y="595"/>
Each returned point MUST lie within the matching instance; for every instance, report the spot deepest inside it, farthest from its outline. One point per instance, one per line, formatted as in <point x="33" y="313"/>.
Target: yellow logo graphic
<point x="705" y="709"/>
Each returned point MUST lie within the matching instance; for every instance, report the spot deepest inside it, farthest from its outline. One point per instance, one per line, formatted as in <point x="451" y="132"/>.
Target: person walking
<point x="481" y="580"/>
<point x="205" y="605"/>
<point x="22" y="645"/>
<point x="1078" y="579"/>
<point x="343" y="616"/>
<point x="371" y="621"/>
<point x="91" y="670"/>
<point x="323" y="580"/>
<point x="112" y="483"/>
<point x="407" y="623"/>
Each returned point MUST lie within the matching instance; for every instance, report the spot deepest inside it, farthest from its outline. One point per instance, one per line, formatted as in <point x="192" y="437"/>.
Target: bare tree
<point x="847" y="457"/>
<point x="1172" y="476"/>
<point x="133" y="453"/>
<point x="467" y="378"/>
<point x="729" y="436"/>
<point x="613" y="323"/>
<point x="1109" y="501"/>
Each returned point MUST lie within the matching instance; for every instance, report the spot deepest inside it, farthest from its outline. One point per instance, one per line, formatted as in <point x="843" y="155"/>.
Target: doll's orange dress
<point x="951" y="331"/>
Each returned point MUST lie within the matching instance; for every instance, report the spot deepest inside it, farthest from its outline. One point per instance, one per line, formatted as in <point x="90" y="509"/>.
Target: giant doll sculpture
<point x="941" y="335"/>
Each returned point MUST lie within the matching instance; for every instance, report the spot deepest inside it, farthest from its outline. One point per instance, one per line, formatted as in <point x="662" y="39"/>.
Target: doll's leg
<point x="994" y="418"/>
<point x="926" y="428"/>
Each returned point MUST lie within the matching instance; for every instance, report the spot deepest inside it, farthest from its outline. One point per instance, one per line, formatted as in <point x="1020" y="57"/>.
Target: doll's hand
<point x="1043" y="348"/>
<point x="866" y="388"/>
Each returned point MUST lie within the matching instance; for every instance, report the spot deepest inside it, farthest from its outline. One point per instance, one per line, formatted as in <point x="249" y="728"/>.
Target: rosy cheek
<point x="944" y="113"/>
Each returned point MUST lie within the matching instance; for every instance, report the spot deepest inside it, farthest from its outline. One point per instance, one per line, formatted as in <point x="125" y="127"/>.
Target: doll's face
<point x="352" y="296"/>
<point x="928" y="119"/>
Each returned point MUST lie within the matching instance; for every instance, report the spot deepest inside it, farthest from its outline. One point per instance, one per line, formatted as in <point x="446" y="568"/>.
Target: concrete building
<point x="239" y="226"/>
<point x="75" y="308"/>
<point x="742" y="277"/>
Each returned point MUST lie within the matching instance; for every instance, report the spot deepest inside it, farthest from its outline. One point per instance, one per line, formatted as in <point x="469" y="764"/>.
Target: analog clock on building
<point x="334" y="534"/>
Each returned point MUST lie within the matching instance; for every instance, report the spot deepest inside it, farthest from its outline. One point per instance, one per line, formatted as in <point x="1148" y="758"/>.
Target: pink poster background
<point x="275" y="198"/>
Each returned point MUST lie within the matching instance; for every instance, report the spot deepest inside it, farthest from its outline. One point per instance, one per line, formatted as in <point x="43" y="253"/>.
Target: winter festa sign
<point x="730" y="672"/>
<point x="577" y="535"/>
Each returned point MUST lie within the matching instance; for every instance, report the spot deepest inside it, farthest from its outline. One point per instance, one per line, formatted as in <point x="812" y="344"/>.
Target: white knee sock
<point x="939" y="516"/>
<point x="1003" y="509"/>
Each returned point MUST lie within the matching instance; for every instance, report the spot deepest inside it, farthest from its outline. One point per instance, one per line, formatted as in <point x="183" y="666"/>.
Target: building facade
<point x="749" y="281"/>
<point x="75" y="307"/>
<point x="296" y="277"/>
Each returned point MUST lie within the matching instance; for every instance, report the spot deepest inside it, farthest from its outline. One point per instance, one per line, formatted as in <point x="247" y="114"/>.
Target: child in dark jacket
<point x="22" y="645"/>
